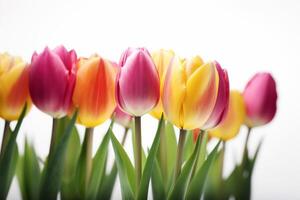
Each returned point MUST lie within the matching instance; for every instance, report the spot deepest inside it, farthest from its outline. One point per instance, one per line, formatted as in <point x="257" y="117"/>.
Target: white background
<point x="244" y="36"/>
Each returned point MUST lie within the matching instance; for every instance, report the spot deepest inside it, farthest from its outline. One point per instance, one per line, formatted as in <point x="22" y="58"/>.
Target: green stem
<point x="5" y="136"/>
<point x="179" y="152"/>
<point x="53" y="136"/>
<point x="201" y="136"/>
<point x="88" y="140"/>
<point x="162" y="151"/>
<point x="138" y="147"/>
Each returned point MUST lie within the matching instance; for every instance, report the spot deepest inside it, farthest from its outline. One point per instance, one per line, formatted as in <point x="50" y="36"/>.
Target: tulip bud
<point x="190" y="95"/>
<point x="122" y="118"/>
<point x="52" y="78"/>
<point x="229" y="127"/>
<point x="162" y="60"/>
<point x="94" y="93"/>
<point x="14" y="92"/>
<point x="137" y="87"/>
<point x="260" y="99"/>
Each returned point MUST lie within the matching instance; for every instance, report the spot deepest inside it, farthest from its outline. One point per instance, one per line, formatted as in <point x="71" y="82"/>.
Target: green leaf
<point x="52" y="175"/>
<point x="125" y="169"/>
<point x="196" y="186"/>
<point x="203" y="150"/>
<point x="157" y="183"/>
<point x="178" y="190"/>
<point x="171" y="154"/>
<point x="98" y="167"/>
<point x="147" y="172"/>
<point x="107" y="185"/>
<point x="29" y="173"/>
<point x="214" y="188"/>
<point x="68" y="189"/>
<point x="8" y="160"/>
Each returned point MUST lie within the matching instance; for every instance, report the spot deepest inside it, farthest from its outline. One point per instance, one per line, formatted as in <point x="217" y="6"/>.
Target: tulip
<point x="260" y="99"/>
<point x="94" y="93"/>
<point x="122" y="118"/>
<point x="162" y="59"/>
<point x="14" y="92"/>
<point x="194" y="96"/>
<point x="52" y="78"/>
<point x="137" y="92"/>
<point x="137" y="87"/>
<point x="233" y="119"/>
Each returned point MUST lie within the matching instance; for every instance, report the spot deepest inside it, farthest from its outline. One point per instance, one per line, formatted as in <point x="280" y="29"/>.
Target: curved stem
<point x="5" y="136"/>
<point x="138" y="147"/>
<point x="246" y="145"/>
<point x="179" y="152"/>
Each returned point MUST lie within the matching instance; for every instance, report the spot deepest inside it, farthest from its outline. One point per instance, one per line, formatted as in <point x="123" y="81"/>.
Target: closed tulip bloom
<point x="229" y="127"/>
<point x="14" y="92"/>
<point x="260" y="99"/>
<point x="137" y="87"/>
<point x="162" y="59"/>
<point x="222" y="101"/>
<point x="190" y="92"/>
<point x="122" y="118"/>
<point x="52" y="78"/>
<point x="94" y="93"/>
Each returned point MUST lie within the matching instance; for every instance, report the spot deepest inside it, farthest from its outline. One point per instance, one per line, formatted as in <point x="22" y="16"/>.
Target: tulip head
<point x="162" y="59"/>
<point x="14" y="92"/>
<point x="137" y="84"/>
<point x="260" y="97"/>
<point x="52" y="78"/>
<point x="233" y="119"/>
<point x="94" y="93"/>
<point x="122" y="118"/>
<point x="190" y="93"/>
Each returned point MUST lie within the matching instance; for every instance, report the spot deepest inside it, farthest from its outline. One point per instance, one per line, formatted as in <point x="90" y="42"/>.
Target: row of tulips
<point x="191" y="94"/>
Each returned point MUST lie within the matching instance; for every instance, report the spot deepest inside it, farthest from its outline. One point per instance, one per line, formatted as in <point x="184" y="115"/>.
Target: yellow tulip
<point x="190" y="92"/>
<point x="14" y="87"/>
<point x="162" y="59"/>
<point x="234" y="118"/>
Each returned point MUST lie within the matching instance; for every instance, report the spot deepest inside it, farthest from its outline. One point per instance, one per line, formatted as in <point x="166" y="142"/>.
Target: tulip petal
<point x="234" y="118"/>
<point x="201" y="95"/>
<point x="174" y="92"/>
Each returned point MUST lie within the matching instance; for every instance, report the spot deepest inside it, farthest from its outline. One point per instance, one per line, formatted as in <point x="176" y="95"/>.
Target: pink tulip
<point x="137" y="87"/>
<point x="260" y="99"/>
<point x="52" y="78"/>
<point x="222" y="101"/>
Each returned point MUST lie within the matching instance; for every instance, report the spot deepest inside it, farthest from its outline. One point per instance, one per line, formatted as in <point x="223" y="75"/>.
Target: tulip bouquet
<point x="188" y="94"/>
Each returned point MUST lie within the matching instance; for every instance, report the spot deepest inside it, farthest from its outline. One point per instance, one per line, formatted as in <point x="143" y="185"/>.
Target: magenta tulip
<point x="137" y="87"/>
<point x="260" y="99"/>
<point x="52" y="78"/>
<point x="222" y="101"/>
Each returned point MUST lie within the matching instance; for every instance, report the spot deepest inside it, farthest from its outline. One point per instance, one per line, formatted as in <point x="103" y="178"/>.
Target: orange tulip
<point x="94" y="93"/>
